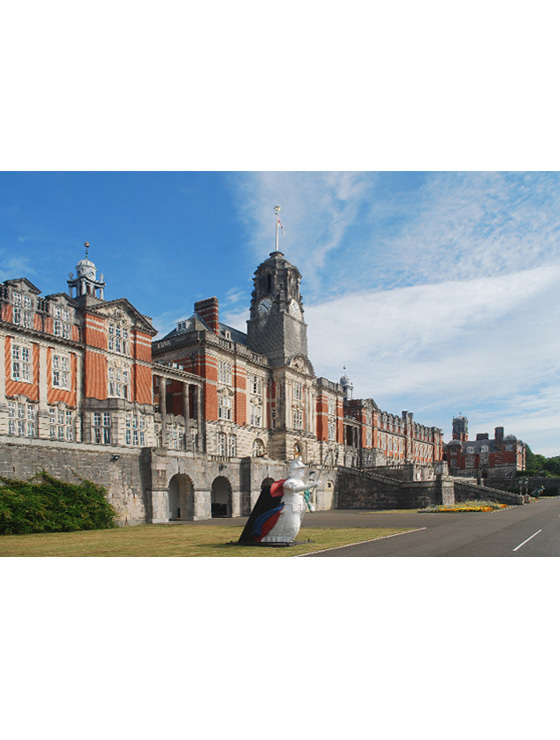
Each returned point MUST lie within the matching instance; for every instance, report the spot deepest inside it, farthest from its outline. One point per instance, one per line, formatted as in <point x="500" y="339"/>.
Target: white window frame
<point x="22" y="362"/>
<point x="225" y="369"/>
<point x="225" y="403"/>
<point x="61" y="371"/>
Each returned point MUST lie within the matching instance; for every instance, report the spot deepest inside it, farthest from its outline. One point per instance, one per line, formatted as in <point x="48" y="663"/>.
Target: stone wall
<point x="124" y="478"/>
<point x="365" y="490"/>
<point x="469" y="490"/>
<point x="139" y="481"/>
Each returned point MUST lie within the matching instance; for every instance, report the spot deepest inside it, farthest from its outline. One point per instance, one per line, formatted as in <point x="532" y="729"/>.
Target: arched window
<point x="259" y="449"/>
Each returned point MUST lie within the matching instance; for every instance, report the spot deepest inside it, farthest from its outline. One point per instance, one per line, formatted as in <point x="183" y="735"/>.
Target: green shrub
<point x="45" y="504"/>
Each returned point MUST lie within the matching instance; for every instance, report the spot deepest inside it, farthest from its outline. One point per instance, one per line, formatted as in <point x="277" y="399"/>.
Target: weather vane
<point x="86" y="245"/>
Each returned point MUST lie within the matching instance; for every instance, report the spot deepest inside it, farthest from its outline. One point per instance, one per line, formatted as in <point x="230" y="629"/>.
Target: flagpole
<point x="277" y="211"/>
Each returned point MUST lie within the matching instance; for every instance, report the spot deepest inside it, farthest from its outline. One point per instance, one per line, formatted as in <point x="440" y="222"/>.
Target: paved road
<point x="493" y="534"/>
<point x="532" y="530"/>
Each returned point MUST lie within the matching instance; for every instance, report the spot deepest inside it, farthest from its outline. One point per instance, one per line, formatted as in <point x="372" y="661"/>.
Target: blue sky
<point x="437" y="290"/>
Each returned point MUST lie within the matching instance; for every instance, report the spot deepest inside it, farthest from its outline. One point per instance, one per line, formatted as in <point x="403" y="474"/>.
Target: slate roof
<point x="195" y="323"/>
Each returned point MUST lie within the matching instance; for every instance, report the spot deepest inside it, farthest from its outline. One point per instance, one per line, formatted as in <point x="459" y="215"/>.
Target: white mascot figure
<point x="290" y="517"/>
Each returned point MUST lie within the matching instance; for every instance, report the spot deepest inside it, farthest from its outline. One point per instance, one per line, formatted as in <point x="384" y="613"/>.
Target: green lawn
<point x="152" y="540"/>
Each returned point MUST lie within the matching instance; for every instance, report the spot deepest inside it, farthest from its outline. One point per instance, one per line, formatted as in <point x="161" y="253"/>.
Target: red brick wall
<point x="95" y="370"/>
<point x="141" y="346"/>
<point x="95" y="331"/>
<point x="321" y="411"/>
<point x="240" y="398"/>
<point x="142" y="386"/>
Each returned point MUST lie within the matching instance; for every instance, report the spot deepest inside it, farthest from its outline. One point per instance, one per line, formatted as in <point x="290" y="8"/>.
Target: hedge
<point x="45" y="504"/>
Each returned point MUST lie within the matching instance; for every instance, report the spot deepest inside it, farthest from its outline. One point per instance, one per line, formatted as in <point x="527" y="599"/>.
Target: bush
<point x="45" y="504"/>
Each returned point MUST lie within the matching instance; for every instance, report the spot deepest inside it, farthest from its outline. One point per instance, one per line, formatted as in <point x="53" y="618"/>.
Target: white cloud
<point x="465" y="345"/>
<point x="16" y="267"/>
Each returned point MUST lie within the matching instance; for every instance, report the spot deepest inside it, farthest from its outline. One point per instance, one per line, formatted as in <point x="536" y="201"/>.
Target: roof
<point x="195" y="323"/>
<point x="33" y="288"/>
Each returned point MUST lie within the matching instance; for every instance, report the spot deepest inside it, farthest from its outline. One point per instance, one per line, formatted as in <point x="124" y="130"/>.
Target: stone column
<point x="163" y="410"/>
<point x="186" y="415"/>
<point x="43" y="417"/>
<point x="199" y="441"/>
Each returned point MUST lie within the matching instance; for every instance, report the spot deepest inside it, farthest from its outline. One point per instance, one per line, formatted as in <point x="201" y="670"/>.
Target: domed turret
<point x="86" y="283"/>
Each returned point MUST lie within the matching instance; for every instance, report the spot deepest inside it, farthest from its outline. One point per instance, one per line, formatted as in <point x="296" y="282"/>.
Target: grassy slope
<point x="175" y="541"/>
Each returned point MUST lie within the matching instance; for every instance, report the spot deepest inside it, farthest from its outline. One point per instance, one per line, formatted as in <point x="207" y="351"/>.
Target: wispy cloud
<point x="318" y="208"/>
<point x="15" y="267"/>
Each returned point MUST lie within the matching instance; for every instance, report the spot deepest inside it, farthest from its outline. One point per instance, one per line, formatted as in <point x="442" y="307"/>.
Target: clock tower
<point x="276" y="327"/>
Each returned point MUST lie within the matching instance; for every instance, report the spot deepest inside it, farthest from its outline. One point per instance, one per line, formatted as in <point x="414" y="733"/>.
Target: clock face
<point x="265" y="305"/>
<point x="90" y="274"/>
<point x="294" y="308"/>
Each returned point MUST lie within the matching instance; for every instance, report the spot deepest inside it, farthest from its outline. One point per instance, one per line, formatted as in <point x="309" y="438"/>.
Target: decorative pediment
<point x="122" y="310"/>
<point x="302" y="365"/>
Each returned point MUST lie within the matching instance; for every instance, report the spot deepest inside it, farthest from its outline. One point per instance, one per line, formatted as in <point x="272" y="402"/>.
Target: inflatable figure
<point x="278" y="513"/>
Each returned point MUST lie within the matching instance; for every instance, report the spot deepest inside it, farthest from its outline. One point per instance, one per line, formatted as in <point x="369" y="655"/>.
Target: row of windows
<point x="227" y="444"/>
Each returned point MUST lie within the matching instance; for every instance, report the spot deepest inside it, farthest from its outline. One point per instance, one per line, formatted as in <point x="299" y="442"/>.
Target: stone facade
<point x="189" y="426"/>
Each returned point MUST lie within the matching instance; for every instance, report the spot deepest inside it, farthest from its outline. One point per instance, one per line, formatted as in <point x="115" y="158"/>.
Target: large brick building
<point x="202" y="417"/>
<point x="483" y="457"/>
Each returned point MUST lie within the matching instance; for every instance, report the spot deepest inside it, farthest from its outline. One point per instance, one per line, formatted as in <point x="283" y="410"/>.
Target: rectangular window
<point x="102" y="427"/>
<point x="17" y="315"/>
<point x="256" y="415"/>
<point x="298" y="392"/>
<point x="118" y="381"/>
<point x="222" y="444"/>
<point x="332" y="430"/>
<point x="256" y="385"/>
<point x="25" y="413"/>
<point x="224" y="409"/>
<point x="21" y="363"/>
<point x="61" y="372"/>
<point x="17" y="299"/>
<point x="224" y="372"/>
<point x="232" y="445"/>
<point x="298" y="419"/>
<point x="331" y="406"/>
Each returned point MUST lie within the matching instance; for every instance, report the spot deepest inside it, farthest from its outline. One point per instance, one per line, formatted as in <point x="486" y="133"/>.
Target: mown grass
<point x="152" y="540"/>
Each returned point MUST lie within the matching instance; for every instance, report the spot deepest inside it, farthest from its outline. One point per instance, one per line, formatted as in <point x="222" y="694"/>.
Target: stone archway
<point x="220" y="497"/>
<point x="181" y="498"/>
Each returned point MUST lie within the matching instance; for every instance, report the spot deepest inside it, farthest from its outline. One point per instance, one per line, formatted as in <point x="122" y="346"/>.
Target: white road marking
<point x="352" y="544"/>
<point x="527" y="540"/>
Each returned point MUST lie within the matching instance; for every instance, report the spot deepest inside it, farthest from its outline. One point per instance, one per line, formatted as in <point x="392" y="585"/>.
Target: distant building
<point x="483" y="457"/>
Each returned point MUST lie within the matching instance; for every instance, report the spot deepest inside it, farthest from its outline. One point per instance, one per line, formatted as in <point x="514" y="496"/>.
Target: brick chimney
<point x="499" y="434"/>
<point x="208" y="312"/>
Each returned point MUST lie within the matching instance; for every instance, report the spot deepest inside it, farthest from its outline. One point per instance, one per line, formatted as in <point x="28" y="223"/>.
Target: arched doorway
<point x="220" y="497"/>
<point x="181" y="498"/>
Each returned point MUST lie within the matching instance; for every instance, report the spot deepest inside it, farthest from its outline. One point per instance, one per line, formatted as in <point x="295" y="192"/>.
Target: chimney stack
<point x="499" y="434"/>
<point x="208" y="312"/>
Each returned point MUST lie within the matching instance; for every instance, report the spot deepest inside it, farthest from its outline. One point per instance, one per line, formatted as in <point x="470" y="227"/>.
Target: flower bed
<point x="465" y="506"/>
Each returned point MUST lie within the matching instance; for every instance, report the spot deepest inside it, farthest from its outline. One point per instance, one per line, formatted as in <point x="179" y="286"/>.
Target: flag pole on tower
<point x="277" y="210"/>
